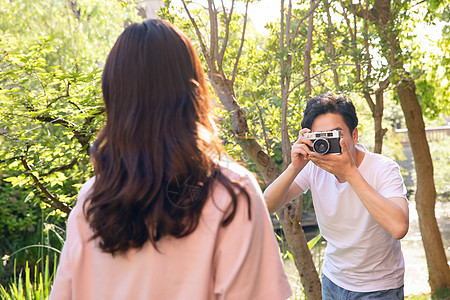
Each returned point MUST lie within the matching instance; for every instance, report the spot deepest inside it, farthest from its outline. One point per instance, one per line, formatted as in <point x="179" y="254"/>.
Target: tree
<point x="49" y="118"/>
<point x="50" y="91"/>
<point x="365" y="84"/>
<point x="225" y="48"/>
<point x="384" y="17"/>
<point x="290" y="216"/>
<point x="349" y="47"/>
<point x="52" y="102"/>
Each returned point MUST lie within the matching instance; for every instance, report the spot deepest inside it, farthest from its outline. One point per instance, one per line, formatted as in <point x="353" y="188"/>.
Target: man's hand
<point x="342" y="165"/>
<point x="282" y="190"/>
<point x="300" y="151"/>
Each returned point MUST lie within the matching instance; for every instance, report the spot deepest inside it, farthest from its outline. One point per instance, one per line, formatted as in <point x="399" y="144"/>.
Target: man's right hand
<point x="300" y="151"/>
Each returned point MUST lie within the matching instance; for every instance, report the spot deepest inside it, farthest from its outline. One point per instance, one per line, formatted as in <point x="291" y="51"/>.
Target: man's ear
<point x="355" y="136"/>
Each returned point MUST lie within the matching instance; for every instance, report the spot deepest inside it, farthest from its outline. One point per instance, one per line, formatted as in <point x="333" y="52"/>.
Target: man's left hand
<point x="341" y="165"/>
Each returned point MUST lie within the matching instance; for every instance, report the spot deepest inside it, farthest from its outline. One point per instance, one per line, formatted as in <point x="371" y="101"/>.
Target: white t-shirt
<point x="360" y="255"/>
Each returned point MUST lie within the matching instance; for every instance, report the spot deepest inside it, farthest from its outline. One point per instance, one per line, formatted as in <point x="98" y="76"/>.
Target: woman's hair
<point x="153" y="159"/>
<point x="330" y="103"/>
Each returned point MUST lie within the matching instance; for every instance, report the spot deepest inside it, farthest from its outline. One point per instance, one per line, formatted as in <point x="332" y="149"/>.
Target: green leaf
<point x="314" y="241"/>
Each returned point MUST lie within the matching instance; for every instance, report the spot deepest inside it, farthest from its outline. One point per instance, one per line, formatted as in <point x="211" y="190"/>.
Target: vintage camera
<point x="325" y="142"/>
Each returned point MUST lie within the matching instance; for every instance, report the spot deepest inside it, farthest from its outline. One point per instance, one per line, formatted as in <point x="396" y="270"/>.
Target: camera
<point x="325" y="142"/>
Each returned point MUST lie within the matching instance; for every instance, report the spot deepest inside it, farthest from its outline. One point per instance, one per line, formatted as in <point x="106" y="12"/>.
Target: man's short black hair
<point x="330" y="103"/>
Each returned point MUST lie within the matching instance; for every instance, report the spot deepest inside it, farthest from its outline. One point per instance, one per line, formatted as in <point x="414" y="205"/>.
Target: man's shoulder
<point x="380" y="160"/>
<point x="377" y="159"/>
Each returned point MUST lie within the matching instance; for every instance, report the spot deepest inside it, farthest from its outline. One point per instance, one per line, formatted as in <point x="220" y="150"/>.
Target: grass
<point x="29" y="287"/>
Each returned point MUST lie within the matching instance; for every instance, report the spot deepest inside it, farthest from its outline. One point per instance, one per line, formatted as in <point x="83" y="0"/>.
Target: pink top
<point x="239" y="261"/>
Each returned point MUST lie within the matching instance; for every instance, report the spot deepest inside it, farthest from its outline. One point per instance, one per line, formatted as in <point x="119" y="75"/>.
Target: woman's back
<point x="239" y="261"/>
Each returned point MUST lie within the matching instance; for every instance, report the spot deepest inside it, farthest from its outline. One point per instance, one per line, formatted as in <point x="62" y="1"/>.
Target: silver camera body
<point x="325" y="142"/>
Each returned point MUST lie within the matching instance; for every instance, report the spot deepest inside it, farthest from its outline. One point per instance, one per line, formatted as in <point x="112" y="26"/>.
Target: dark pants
<point x="331" y="291"/>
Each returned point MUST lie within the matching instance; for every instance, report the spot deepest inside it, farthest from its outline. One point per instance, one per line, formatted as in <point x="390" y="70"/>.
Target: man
<point x="359" y="200"/>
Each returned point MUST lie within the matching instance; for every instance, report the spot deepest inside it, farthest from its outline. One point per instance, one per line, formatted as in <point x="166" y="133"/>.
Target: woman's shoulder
<point x="237" y="173"/>
<point x="85" y="190"/>
<point x="78" y="231"/>
<point x="86" y="187"/>
<point x="83" y="195"/>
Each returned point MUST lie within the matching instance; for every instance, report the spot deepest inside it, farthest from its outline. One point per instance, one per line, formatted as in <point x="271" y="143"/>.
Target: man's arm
<point x="391" y="213"/>
<point x="283" y="189"/>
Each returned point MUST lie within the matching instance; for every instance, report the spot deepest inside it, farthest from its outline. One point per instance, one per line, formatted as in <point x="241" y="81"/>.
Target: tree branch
<point x="307" y="55"/>
<point x="60" y="97"/>
<point x="233" y="75"/>
<point x="227" y="33"/>
<point x="10" y="158"/>
<point x="366" y="41"/>
<point x="214" y="40"/>
<point x="383" y="85"/>
<point x="311" y="10"/>
<point x="62" y="168"/>
<point x="262" y="124"/>
<point x="6" y="53"/>
<point x="314" y="76"/>
<point x="331" y="50"/>
<point x="344" y="14"/>
<point x="288" y="25"/>
<point x="200" y="39"/>
<point x="369" y="101"/>
<point x="53" y="201"/>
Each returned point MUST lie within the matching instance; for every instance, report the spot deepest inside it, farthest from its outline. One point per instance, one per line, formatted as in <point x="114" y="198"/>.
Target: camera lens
<point x="321" y="146"/>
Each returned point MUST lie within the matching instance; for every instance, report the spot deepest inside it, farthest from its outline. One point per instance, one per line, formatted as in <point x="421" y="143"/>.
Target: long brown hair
<point x="153" y="159"/>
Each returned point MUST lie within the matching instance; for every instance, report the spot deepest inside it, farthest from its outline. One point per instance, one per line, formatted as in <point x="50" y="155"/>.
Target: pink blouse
<point x="239" y="261"/>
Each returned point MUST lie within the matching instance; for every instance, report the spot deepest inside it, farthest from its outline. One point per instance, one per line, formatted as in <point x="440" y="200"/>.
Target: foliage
<point x="428" y="45"/>
<point x="17" y="216"/>
<point x="440" y="152"/>
<point x="24" y="222"/>
<point x="82" y="30"/>
<point x="257" y="86"/>
<point x="440" y="295"/>
<point x="50" y="64"/>
<point x="37" y="284"/>
<point x="49" y="118"/>
<point x="50" y="90"/>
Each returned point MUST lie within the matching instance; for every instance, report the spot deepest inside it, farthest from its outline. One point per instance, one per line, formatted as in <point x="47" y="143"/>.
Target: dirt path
<point x="416" y="274"/>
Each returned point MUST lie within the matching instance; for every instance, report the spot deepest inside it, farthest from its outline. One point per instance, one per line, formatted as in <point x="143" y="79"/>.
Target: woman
<point x="162" y="218"/>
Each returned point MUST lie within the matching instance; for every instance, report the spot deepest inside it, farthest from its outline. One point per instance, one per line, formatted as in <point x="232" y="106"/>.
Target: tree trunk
<point x="295" y="236"/>
<point x="290" y="215"/>
<point x="249" y="145"/>
<point x="376" y="107"/>
<point x="377" y="114"/>
<point x="438" y="269"/>
<point x="378" y="121"/>
<point x="307" y="54"/>
<point x="225" y="91"/>
<point x="285" y="80"/>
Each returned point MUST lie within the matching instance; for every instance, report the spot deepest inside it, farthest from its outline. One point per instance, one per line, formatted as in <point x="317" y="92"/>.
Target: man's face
<point x="332" y="121"/>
